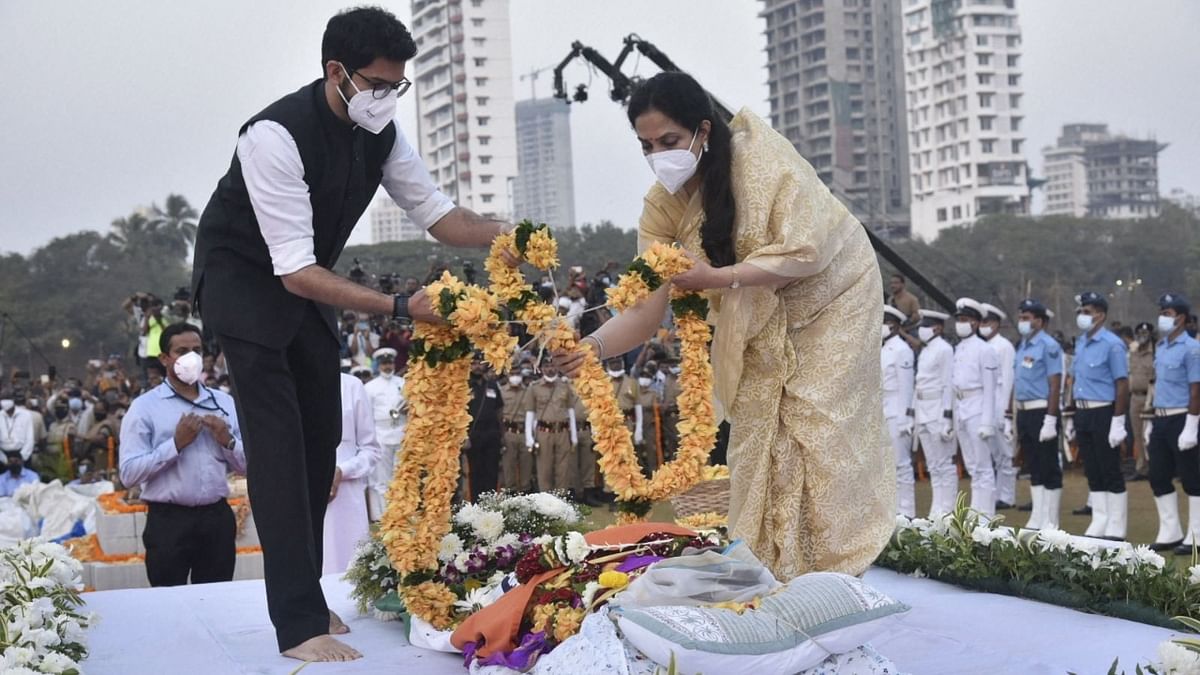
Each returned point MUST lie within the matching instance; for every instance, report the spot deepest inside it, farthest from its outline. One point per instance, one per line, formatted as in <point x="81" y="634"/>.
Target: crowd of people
<point x="1123" y="400"/>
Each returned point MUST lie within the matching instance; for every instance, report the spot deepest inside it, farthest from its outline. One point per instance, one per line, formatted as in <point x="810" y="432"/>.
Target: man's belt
<point x="929" y="395"/>
<point x="964" y="394"/>
<point x="1169" y="412"/>
<point x="518" y="427"/>
<point x="1035" y="404"/>
<point x="1091" y="405"/>
<point x="553" y="426"/>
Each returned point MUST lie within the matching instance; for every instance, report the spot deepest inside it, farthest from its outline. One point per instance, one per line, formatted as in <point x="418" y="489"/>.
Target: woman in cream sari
<point x="796" y="297"/>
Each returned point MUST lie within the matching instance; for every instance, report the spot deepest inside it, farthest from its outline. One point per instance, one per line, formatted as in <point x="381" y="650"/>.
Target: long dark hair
<point x="682" y="99"/>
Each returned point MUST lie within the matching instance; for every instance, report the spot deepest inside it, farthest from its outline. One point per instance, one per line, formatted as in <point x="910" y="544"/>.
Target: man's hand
<point x="1116" y="431"/>
<point x="219" y="429"/>
<point x="337" y="481"/>
<point x="187" y="430"/>
<point x="420" y="308"/>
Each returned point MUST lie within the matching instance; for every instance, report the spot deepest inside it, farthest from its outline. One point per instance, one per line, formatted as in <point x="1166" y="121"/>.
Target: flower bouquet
<point x="41" y="627"/>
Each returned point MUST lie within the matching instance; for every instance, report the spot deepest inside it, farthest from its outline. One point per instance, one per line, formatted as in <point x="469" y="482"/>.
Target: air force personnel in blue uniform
<point x="1037" y="388"/>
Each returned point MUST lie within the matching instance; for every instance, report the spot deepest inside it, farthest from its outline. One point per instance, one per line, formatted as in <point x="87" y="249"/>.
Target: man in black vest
<point x="305" y="169"/>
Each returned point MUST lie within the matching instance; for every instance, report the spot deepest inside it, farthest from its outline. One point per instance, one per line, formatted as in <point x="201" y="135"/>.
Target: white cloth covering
<point x="346" y="521"/>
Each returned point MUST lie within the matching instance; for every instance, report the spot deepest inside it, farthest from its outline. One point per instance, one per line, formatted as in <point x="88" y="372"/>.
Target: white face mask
<point x="673" y="168"/>
<point x="368" y="112"/>
<point x="189" y="367"/>
<point x="887" y="332"/>
<point x="986" y="331"/>
<point x="675" y="370"/>
<point x="1084" y="321"/>
<point x="616" y="373"/>
<point x="1166" y="324"/>
<point x="925" y="333"/>
<point x="515" y="380"/>
<point x="644" y="381"/>
<point x="963" y="329"/>
<point x="224" y="388"/>
<point x="1025" y="327"/>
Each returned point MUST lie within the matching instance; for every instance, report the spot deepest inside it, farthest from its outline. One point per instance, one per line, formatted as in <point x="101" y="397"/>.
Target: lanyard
<point x="216" y="407"/>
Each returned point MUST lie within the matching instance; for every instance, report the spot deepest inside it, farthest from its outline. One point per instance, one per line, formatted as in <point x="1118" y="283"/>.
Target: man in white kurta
<point x="931" y="410"/>
<point x="896" y="359"/>
<point x="346" y="522"/>
<point x="1003" y="444"/>
<point x="975" y="379"/>
<point x="388" y="411"/>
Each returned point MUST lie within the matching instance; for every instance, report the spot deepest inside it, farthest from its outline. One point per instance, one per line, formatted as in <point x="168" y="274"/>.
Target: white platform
<point x="223" y="628"/>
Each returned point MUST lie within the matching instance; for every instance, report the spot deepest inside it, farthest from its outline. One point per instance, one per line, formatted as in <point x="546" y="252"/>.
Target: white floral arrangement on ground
<point x="1125" y="581"/>
<point x="41" y="625"/>
<point x="475" y="558"/>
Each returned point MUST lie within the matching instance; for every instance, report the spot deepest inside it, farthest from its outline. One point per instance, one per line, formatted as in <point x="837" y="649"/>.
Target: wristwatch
<point x="400" y="307"/>
<point x="231" y="444"/>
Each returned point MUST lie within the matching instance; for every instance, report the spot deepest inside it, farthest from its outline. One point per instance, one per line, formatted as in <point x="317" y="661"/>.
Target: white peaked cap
<point x="936" y="316"/>
<point x="968" y="303"/>
<point x="992" y="310"/>
<point x="892" y="311"/>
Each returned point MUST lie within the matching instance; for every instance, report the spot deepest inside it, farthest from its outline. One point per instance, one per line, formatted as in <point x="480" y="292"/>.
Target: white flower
<point x="1145" y="556"/>
<point x="918" y="574"/>
<point x="589" y="593"/>
<point x="451" y="546"/>
<point x="543" y="540"/>
<point x="1177" y="659"/>
<point x="902" y="521"/>
<point x="1194" y="575"/>
<point x="552" y="507"/>
<point x="57" y="663"/>
<point x="1052" y="539"/>
<point x="577" y="547"/>
<point x="460" y="561"/>
<point x="506" y="540"/>
<point x="16" y="656"/>
<point x="489" y="525"/>
<point x="982" y="534"/>
<point x="475" y="601"/>
<point x="468" y="514"/>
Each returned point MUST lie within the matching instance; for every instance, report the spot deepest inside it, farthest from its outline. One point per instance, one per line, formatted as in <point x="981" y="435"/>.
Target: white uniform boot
<point x="1118" y="510"/>
<point x="1051" y="500"/>
<point x="1037" y="517"/>
<point x="1099" y="502"/>
<point x="1170" y="534"/>
<point x="1192" y="536"/>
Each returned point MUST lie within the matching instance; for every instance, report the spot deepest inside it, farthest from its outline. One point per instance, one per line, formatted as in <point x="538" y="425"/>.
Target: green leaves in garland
<point x="434" y="356"/>
<point x="647" y="273"/>
<point x="637" y="507"/>
<point x="524" y="231"/>
<point x="692" y="303"/>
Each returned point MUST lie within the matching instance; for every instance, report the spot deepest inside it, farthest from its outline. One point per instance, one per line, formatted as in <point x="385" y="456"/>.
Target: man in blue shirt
<point x="1099" y="383"/>
<point x="179" y="441"/>
<point x="1173" y="429"/>
<point x="17" y="475"/>
<point x="1037" y="388"/>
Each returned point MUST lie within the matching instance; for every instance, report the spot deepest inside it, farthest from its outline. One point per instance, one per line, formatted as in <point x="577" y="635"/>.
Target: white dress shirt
<point x="896" y="358"/>
<point x="387" y="395"/>
<point x="16" y="432"/>
<point x="359" y="450"/>
<point x="274" y="176"/>
<point x="1006" y="358"/>
<point x="933" y="392"/>
<point x="975" y="376"/>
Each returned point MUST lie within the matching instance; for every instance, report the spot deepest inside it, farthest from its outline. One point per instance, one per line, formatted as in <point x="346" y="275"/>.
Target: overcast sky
<point x="110" y="105"/>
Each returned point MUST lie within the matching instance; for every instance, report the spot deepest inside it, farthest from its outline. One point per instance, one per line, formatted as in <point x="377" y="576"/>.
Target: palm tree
<point x="177" y="221"/>
<point x="131" y="231"/>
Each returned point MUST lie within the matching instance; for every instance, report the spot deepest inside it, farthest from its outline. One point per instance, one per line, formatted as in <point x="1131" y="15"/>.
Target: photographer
<point x="363" y="341"/>
<point x="153" y="324"/>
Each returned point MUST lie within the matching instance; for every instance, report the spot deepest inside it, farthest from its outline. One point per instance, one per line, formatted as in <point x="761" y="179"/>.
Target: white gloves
<point x="637" y="425"/>
<point x="1069" y="429"/>
<point x="1116" y="431"/>
<point x="1147" y="429"/>
<point x="1049" y="428"/>
<point x="530" y="424"/>
<point x="986" y="431"/>
<point x="906" y="427"/>
<point x="1008" y="430"/>
<point x="1187" y="440"/>
<point x="947" y="429"/>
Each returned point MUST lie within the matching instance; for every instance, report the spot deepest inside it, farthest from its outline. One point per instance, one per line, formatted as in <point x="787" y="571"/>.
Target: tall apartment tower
<point x="1095" y="173"/>
<point x="544" y="191"/>
<point x="465" y="118"/>
<point x="962" y="62"/>
<point x="835" y="74"/>
<point x="390" y="223"/>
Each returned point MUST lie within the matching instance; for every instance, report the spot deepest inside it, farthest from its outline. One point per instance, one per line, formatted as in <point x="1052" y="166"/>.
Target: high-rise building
<point x="465" y="119"/>
<point x="835" y="78"/>
<point x="1095" y="173"/>
<point x="962" y="63"/>
<point x="390" y="223"/>
<point x="544" y="191"/>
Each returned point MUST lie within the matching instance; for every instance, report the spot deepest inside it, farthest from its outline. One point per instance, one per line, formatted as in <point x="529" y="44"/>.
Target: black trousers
<point x="484" y="460"/>
<point x="195" y="541"/>
<point x="289" y="409"/>
<point x="1041" y="457"/>
<point x="1101" y="461"/>
<point x="1166" y="460"/>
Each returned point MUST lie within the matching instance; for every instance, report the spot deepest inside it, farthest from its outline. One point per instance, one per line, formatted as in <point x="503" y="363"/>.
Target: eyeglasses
<point x="381" y="90"/>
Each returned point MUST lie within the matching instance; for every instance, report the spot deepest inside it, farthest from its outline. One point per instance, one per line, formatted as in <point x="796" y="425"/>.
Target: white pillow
<point x="795" y="628"/>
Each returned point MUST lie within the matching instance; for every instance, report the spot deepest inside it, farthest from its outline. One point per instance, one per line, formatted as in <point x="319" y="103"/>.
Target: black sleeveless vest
<point x="233" y="283"/>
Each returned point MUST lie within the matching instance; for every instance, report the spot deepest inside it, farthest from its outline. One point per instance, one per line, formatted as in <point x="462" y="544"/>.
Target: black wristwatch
<point x="400" y="307"/>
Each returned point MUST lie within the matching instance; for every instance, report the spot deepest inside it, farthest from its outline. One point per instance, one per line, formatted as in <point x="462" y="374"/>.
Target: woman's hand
<point x="511" y="257"/>
<point x="702" y="276"/>
<point x="570" y="363"/>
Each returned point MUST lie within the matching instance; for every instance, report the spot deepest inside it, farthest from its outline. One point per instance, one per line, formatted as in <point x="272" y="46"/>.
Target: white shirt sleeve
<point x="409" y="184"/>
<point x="274" y="176"/>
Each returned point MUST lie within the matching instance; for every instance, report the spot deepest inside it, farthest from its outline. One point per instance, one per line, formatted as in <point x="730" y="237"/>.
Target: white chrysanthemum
<point x="552" y="507"/>
<point x="543" y="540"/>
<point x="1052" y="539"/>
<point x="460" y="561"/>
<point x="506" y="540"/>
<point x="475" y="601"/>
<point x="589" y="593"/>
<point x="15" y="657"/>
<point x="577" y="547"/>
<point x="902" y="521"/>
<point x="451" y="546"/>
<point x="468" y="514"/>
<point x="1145" y="556"/>
<point x="489" y="525"/>
<point x="982" y="534"/>
<point x="1194" y="574"/>
<point x="57" y="663"/>
<point x="1177" y="659"/>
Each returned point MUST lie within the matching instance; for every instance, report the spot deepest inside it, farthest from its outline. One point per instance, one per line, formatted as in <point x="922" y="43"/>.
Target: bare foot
<point x="336" y="625"/>
<point x="323" y="648"/>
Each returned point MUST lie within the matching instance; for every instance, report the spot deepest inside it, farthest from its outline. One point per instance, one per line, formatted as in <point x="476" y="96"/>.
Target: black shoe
<point x="1004" y="506"/>
<point x="1167" y="546"/>
<point x="1082" y="511"/>
<point x="590" y="498"/>
<point x="1183" y="549"/>
<point x="1027" y="506"/>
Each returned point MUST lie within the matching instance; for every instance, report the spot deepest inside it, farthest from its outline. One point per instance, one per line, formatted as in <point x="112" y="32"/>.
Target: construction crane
<point x="622" y="85"/>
